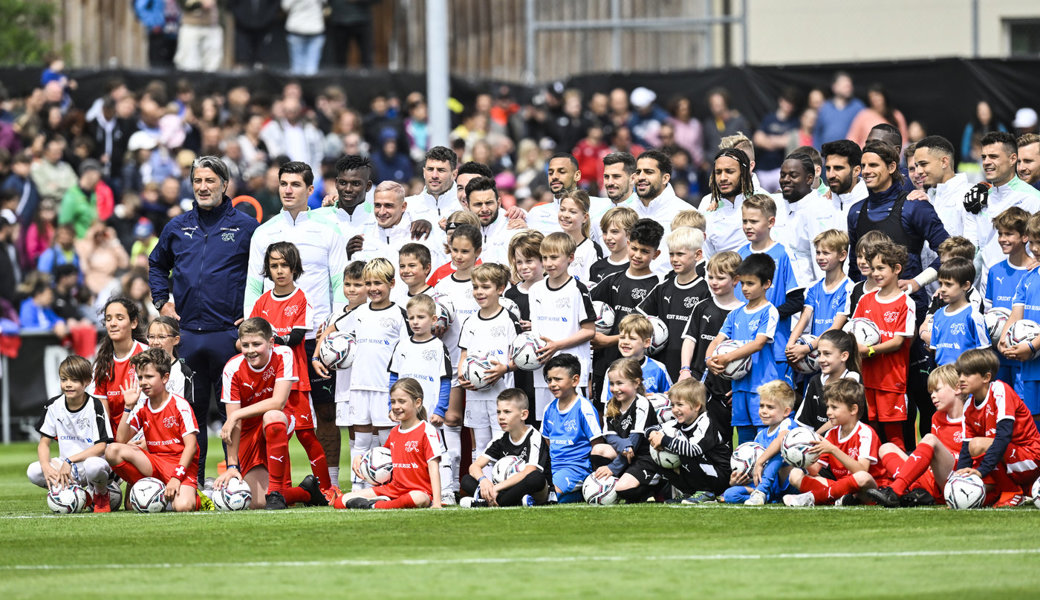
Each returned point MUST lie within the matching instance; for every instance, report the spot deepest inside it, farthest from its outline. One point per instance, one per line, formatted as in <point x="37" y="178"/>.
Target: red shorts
<point x="393" y="491"/>
<point x="298" y="410"/>
<point x="886" y="407"/>
<point x="252" y="451"/>
<point x="927" y="483"/>
<point x="1023" y="465"/>
<point x="165" y="465"/>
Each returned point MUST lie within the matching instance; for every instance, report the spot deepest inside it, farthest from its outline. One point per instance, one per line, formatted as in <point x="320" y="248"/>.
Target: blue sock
<point x="746" y="433"/>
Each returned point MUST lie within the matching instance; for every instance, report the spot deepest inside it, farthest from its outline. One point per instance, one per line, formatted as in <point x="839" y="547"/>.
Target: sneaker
<point x="674" y="500"/>
<point x="208" y="484"/>
<point x="553" y="499"/>
<point x="758" y="498"/>
<point x="1010" y="500"/>
<point x="805" y="499"/>
<point x="848" y="500"/>
<point x="362" y="503"/>
<point x="332" y="493"/>
<point x="310" y="485"/>
<point x="471" y="502"/>
<point x="917" y="497"/>
<point x="700" y="498"/>
<point x="527" y="500"/>
<point x="275" y="501"/>
<point x="102" y="503"/>
<point x="884" y="496"/>
<point x="449" y="499"/>
<point x="205" y="502"/>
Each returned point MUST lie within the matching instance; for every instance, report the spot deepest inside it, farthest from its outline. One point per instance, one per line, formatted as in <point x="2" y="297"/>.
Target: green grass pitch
<point x="647" y="551"/>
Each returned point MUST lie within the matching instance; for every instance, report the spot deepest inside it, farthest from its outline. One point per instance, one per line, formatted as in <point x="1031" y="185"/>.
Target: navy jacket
<point x="207" y="253"/>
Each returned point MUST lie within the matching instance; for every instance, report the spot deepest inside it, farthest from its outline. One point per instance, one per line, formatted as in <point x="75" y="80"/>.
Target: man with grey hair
<point x="392" y="229"/>
<point x="201" y="262"/>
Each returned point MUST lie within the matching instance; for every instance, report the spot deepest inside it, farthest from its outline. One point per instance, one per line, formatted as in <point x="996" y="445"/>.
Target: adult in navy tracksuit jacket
<point x="204" y="253"/>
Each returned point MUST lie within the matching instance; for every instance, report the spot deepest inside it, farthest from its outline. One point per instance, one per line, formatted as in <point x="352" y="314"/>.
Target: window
<point x="1023" y="38"/>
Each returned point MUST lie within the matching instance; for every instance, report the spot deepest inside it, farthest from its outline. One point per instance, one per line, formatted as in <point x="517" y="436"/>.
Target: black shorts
<point x="323" y="391"/>
<point x="645" y="470"/>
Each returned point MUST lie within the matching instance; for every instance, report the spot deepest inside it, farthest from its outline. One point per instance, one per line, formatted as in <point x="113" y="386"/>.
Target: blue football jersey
<point x="826" y="304"/>
<point x="570" y="433"/>
<point x="1001" y="283"/>
<point x="954" y="333"/>
<point x="744" y="326"/>
<point x="1027" y="295"/>
<point x="783" y="281"/>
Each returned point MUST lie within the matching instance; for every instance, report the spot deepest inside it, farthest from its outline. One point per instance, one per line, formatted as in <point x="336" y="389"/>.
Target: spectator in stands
<point x="145" y="241"/>
<point x="305" y="32"/>
<point x="688" y="131"/>
<point x="39" y="235"/>
<point x="79" y="204"/>
<point x="416" y="126"/>
<point x="982" y="122"/>
<point x="110" y="134"/>
<point x="53" y="176"/>
<point x="200" y="40"/>
<point x="1025" y="121"/>
<point x="21" y="183"/>
<point x="645" y="121"/>
<point x="255" y="27"/>
<point x="61" y="252"/>
<point x="723" y="121"/>
<point x="10" y="273"/>
<point x="391" y="165"/>
<point x="294" y="136"/>
<point x="36" y="314"/>
<point x="350" y="21"/>
<point x="880" y="111"/>
<point x="70" y="298"/>
<point x="162" y="20"/>
<point x="772" y="137"/>
<point x="836" y="115"/>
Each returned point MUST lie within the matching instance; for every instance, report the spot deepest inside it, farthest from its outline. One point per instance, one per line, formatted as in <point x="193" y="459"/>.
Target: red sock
<point x="294" y="495"/>
<point x="894" y="434"/>
<point x="915" y="466"/>
<point x="830" y="491"/>
<point x="338" y="502"/>
<point x="278" y="468"/>
<point x="892" y="462"/>
<point x="128" y="472"/>
<point x="319" y="466"/>
<point x="404" y="501"/>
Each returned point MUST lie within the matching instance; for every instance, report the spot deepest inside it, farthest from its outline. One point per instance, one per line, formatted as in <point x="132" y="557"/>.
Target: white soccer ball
<point x="506" y="467"/>
<point x="148" y="496"/>
<point x="665" y="458"/>
<point x="1023" y="331"/>
<point x="599" y="491"/>
<point x="524" y="351"/>
<point x="995" y="319"/>
<point x="807" y="365"/>
<point x="742" y="461"/>
<point x="660" y="337"/>
<point x="864" y="330"/>
<point x="475" y="370"/>
<point x="510" y="306"/>
<point x="236" y="495"/>
<point x="797" y="447"/>
<point x="662" y="406"/>
<point x="964" y="491"/>
<point x="737" y="369"/>
<point x="67" y="500"/>
<point x="115" y="495"/>
<point x="1036" y="493"/>
<point x="445" y="310"/>
<point x="376" y="465"/>
<point x="338" y="350"/>
<point x="605" y="317"/>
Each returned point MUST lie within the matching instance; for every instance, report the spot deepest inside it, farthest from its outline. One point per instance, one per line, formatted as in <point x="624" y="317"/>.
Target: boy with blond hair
<point x="768" y="479"/>
<point x="615" y="225"/>
<point x="826" y="297"/>
<point x="634" y="335"/>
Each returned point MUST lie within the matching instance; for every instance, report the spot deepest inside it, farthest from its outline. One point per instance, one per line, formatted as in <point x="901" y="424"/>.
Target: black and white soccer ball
<point x="964" y="491"/>
<point x="796" y="448"/>
<point x="808" y="364"/>
<point x="524" y="351"/>
<point x="445" y="310"/>
<point x="662" y="406"/>
<point x="148" y="495"/>
<point x="338" y="350"/>
<point x="605" y="316"/>
<point x="1022" y="331"/>
<point x="660" y="336"/>
<point x="236" y="495"/>
<point x="67" y="500"/>
<point x="377" y="466"/>
<point x="599" y="491"/>
<point x="864" y="330"/>
<point x="995" y="319"/>
<point x="506" y="467"/>
<point x="736" y="369"/>
<point x="742" y="461"/>
<point x="666" y="458"/>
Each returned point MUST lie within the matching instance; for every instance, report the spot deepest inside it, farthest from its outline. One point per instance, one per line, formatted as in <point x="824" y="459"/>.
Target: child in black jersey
<point x="838" y="359"/>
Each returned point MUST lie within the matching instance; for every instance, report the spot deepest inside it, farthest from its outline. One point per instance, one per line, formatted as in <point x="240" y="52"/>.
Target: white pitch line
<point x="530" y="559"/>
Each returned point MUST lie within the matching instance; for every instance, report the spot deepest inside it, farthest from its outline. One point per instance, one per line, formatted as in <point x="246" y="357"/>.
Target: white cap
<point x="1025" y="118"/>
<point x="642" y="97"/>
<point x="141" y="140"/>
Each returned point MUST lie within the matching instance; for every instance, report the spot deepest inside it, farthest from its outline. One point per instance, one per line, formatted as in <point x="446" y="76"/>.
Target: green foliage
<point x="25" y="26"/>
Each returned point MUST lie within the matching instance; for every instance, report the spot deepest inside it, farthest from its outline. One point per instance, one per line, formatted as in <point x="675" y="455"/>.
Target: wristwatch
<point x="158" y="304"/>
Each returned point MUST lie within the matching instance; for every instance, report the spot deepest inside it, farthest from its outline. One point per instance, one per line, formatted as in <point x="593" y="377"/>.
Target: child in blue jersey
<point x="768" y="480"/>
<point x="1003" y="277"/>
<point x="571" y="426"/>
<point x="958" y="326"/>
<point x="1026" y="305"/>
<point x="753" y="325"/>
<point x="759" y="216"/>
<point x="634" y="338"/>
<point x="826" y="298"/>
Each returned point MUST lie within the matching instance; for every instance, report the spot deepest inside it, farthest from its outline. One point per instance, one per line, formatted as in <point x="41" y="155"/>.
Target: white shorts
<point x="370" y="408"/>
<point x="343" y="414"/>
<point x="542" y="399"/>
<point x="481" y="414"/>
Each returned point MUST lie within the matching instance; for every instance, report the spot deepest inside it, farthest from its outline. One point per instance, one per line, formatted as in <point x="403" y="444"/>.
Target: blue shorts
<point x="745" y="409"/>
<point x="568" y="480"/>
<point x="1029" y="392"/>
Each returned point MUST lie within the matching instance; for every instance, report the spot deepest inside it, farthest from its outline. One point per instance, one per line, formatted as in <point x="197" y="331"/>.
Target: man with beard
<point x="808" y="215"/>
<point x="655" y="200"/>
<point x="618" y="168"/>
<point x="563" y="177"/>
<point x="497" y="228"/>
<point x="439" y="198"/>
<point x="1029" y="158"/>
<point x="842" y="160"/>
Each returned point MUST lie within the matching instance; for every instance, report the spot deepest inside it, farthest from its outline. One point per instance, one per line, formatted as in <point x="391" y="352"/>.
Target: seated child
<point x="838" y="359"/>
<point x="769" y="477"/>
<point x="571" y="427"/>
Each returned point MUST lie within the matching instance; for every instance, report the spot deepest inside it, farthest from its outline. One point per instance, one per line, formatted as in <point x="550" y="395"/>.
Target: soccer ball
<point x="807" y="365"/>
<point x="864" y="330"/>
<point x="1036" y="493"/>
<point x="376" y="465"/>
<point x="1021" y="332"/>
<point x="475" y="370"/>
<point x="524" y="351"/>
<point x="338" y="350"/>
<point x="115" y="495"/>
<point x="660" y="338"/>
<point x="743" y="459"/>
<point x="506" y="467"/>
<point x="599" y="491"/>
<point x="510" y="306"/>
<point x="236" y="495"/>
<point x="67" y="500"/>
<point x="796" y="447"/>
<point x="445" y="310"/>
<point x="737" y="369"/>
<point x="664" y="458"/>
<point x="605" y="317"/>
<point x="995" y="319"/>
<point x="964" y="491"/>
<point x="148" y="495"/>
<point x="662" y="406"/>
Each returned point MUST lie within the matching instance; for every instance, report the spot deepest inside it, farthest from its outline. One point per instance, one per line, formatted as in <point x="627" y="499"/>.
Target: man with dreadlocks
<point x="729" y="183"/>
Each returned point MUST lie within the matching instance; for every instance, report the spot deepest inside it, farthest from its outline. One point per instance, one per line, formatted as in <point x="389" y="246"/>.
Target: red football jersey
<point x="411" y="451"/>
<point x="121" y="375"/>
<point x="949" y="431"/>
<point x="285" y="314"/>
<point x="244" y="385"/>
<point x="895" y="316"/>
<point x="862" y="443"/>
<point x="164" y="429"/>
<point x="1001" y="403"/>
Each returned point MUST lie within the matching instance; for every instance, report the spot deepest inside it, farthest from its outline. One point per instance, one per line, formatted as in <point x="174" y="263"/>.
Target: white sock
<point x="453" y="443"/>
<point x="362" y="442"/>
<point x="334" y="476"/>
<point x="481" y="438"/>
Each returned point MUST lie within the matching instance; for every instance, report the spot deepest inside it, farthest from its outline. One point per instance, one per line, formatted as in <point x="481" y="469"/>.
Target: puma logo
<point x="278" y="458"/>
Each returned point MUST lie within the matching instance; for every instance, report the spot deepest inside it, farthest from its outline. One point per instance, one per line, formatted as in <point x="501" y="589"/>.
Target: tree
<point x="25" y="26"/>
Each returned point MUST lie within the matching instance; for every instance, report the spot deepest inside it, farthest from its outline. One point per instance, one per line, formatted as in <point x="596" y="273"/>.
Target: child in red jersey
<point x="415" y="449"/>
<point x="112" y="368"/>
<point x="286" y="308"/>
<point x="171" y="451"/>
<point x="849" y="451"/>
<point x="919" y="479"/>
<point x="256" y="388"/>
<point x="1000" y="442"/>
<point x="885" y="364"/>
